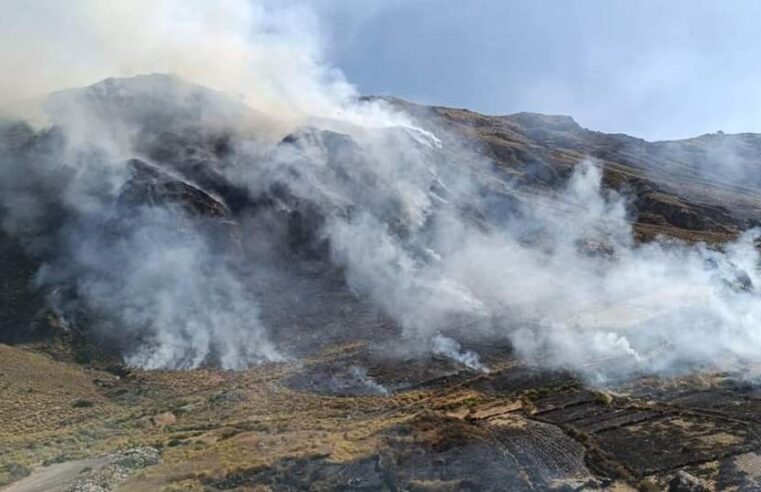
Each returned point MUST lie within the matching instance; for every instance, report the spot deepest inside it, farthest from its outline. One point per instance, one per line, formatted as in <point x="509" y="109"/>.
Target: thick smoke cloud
<point x="561" y="276"/>
<point x="419" y="225"/>
<point x="170" y="292"/>
<point x="131" y="270"/>
<point x="269" y="53"/>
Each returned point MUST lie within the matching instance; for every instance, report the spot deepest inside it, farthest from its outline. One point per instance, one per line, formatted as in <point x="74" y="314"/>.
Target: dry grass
<point x="52" y="411"/>
<point x="212" y="424"/>
<point x="208" y="423"/>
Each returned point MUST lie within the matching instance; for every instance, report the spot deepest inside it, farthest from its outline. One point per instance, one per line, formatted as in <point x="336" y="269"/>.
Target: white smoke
<point x="171" y="291"/>
<point x="362" y="379"/>
<point x="413" y="218"/>
<point x="451" y="348"/>
<point x="267" y="53"/>
<point x="563" y="278"/>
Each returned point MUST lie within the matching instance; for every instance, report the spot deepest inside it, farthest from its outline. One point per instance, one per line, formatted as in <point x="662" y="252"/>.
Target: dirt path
<point x="55" y="478"/>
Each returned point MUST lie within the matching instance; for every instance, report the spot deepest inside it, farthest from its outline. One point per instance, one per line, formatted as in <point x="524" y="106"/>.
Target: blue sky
<point x="655" y="69"/>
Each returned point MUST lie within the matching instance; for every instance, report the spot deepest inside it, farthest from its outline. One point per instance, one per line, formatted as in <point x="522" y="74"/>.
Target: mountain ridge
<point x="670" y="186"/>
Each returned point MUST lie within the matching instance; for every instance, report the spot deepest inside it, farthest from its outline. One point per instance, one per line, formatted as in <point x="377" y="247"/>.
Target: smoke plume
<point x="130" y="192"/>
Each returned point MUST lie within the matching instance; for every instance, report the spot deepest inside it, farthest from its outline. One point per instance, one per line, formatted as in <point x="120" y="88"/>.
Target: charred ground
<point x="352" y="409"/>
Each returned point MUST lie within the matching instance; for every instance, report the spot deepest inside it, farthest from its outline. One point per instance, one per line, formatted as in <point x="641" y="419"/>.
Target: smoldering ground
<point x="157" y="207"/>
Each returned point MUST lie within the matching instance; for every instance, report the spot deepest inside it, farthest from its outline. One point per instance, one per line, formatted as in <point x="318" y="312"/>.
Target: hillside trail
<point x="55" y="478"/>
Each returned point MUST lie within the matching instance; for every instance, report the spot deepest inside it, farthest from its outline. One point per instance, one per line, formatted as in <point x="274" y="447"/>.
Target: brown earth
<point x="514" y="428"/>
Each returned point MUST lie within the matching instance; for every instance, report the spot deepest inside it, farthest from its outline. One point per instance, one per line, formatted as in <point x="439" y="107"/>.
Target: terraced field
<point x="446" y="428"/>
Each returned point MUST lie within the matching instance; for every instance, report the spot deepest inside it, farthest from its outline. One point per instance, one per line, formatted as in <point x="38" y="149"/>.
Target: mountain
<point x="193" y="298"/>
<point x="700" y="189"/>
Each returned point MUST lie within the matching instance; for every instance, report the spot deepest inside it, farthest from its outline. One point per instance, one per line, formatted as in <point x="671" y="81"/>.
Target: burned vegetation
<point x="188" y="316"/>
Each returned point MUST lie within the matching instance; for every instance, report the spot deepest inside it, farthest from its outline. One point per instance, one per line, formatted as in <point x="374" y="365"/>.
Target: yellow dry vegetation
<point x="207" y="423"/>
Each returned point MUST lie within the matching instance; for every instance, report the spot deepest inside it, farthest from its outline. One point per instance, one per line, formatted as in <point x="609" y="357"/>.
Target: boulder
<point x="684" y="482"/>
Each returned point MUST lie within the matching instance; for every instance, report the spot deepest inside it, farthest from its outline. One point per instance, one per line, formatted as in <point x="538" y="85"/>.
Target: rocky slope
<point x="349" y="408"/>
<point x="703" y="189"/>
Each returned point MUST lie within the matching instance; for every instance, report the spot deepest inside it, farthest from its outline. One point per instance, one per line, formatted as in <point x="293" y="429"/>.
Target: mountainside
<point x="195" y="296"/>
<point x="703" y="189"/>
